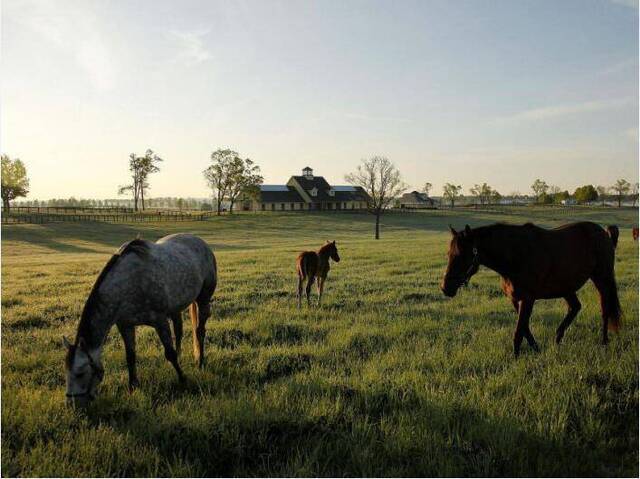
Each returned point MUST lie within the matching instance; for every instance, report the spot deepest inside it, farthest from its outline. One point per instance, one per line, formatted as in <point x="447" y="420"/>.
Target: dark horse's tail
<point x="610" y="303"/>
<point x="614" y="233"/>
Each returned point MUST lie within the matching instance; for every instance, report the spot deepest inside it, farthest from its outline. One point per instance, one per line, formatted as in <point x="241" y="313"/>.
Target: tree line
<point x="232" y="178"/>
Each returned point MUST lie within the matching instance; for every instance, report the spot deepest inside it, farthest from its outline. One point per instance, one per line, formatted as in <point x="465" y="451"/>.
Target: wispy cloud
<point x="621" y="66"/>
<point x="557" y="111"/>
<point x="191" y="46"/>
<point x="361" y="116"/>
<point x="74" y="28"/>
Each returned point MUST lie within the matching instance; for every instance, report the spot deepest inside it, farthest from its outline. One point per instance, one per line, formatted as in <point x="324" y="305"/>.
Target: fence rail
<point x="34" y="218"/>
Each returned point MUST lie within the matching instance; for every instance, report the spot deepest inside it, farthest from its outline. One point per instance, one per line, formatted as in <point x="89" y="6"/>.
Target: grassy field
<point x="389" y="377"/>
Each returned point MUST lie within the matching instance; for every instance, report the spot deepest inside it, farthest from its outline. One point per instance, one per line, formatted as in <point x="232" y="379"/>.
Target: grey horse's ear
<point x="453" y="231"/>
<point x="66" y="342"/>
<point x="467" y="229"/>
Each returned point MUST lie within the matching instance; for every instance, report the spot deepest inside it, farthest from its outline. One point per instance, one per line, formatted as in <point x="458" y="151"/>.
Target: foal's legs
<point x="574" y="308"/>
<point x="321" y="281"/>
<point x="522" y="327"/>
<point x="176" y="319"/>
<point x="128" y="334"/>
<point x="164" y="332"/>
<point x="310" y="280"/>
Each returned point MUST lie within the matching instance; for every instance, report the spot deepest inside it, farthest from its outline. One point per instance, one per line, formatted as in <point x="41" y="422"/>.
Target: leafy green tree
<point x="539" y="188"/>
<point x="218" y="174"/>
<point x="585" y="193"/>
<point x="561" y="196"/>
<point x="382" y="181"/>
<point x="244" y="179"/>
<point x="451" y="193"/>
<point x="621" y="188"/>
<point x="15" y="183"/>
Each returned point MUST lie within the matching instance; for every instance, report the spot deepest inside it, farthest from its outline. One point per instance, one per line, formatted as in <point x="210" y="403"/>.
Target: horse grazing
<point x="143" y="283"/>
<point x="311" y="265"/>
<point x="536" y="263"/>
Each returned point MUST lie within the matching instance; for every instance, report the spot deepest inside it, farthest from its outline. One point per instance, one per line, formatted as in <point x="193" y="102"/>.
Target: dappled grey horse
<point x="143" y="283"/>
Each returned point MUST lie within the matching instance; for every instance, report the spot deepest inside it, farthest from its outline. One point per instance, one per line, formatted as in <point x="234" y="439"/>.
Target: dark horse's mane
<point x="137" y="246"/>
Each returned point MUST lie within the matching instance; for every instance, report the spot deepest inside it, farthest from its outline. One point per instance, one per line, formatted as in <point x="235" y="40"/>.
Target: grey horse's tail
<point x="194" y="314"/>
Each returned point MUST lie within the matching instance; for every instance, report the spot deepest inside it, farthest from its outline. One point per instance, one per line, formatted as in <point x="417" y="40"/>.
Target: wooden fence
<point x="34" y="218"/>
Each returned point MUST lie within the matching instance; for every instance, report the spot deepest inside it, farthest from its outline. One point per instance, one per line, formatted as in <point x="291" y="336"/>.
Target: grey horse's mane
<point x="137" y="246"/>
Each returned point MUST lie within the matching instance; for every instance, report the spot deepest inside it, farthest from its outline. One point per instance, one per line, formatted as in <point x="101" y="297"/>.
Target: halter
<point x="474" y="263"/>
<point x="97" y="371"/>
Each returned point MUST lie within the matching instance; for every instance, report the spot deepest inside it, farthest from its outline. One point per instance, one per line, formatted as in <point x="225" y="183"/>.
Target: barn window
<point x="282" y="206"/>
<point x="263" y="206"/>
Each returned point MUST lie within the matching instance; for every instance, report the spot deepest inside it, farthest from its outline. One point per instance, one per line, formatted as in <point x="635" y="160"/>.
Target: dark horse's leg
<point x="310" y="279"/>
<point x="128" y="334"/>
<point x="574" y="308"/>
<point x="176" y="319"/>
<point x="300" y="281"/>
<point x="522" y="327"/>
<point x="164" y="332"/>
<point x="204" y="310"/>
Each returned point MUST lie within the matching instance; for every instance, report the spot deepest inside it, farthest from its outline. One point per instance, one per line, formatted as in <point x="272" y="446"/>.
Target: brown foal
<point x="311" y="265"/>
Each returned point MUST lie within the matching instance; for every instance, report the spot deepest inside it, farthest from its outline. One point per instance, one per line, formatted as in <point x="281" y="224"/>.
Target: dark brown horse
<point x="311" y="265"/>
<point x="536" y="263"/>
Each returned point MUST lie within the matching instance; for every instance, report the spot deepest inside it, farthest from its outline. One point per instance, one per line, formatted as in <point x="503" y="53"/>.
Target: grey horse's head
<point x="84" y="373"/>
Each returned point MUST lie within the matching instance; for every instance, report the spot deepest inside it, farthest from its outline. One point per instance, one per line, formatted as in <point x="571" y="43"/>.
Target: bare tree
<point x="602" y="191"/>
<point x="140" y="167"/>
<point x="382" y="182"/>
<point x="621" y="188"/>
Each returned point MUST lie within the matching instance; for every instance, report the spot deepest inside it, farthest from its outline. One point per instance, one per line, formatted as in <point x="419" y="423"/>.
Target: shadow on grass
<point x="374" y="431"/>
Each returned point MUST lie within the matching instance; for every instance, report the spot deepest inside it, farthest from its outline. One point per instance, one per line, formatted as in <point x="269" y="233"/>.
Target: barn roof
<point x="279" y="194"/>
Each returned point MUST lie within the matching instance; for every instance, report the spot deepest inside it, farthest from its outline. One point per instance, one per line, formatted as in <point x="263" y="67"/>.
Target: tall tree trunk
<point x="142" y="197"/>
<point x="219" y="203"/>
<point x="377" y="224"/>
<point x="619" y="201"/>
<point x="6" y="205"/>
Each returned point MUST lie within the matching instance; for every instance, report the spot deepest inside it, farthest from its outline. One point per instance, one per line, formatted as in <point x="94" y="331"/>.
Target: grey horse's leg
<point x="164" y="332"/>
<point x="176" y="319"/>
<point x="128" y="334"/>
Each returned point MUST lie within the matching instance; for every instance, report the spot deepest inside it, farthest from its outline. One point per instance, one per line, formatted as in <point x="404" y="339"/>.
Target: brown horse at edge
<point x="311" y="264"/>
<point x="537" y="263"/>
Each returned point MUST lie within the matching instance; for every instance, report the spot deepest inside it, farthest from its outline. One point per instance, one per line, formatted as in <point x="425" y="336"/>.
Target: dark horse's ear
<point x="453" y="231"/>
<point x="334" y="242"/>
<point x="467" y="229"/>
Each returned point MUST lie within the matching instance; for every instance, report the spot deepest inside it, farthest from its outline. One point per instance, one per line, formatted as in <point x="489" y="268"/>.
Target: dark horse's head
<point x="331" y="248"/>
<point x="463" y="261"/>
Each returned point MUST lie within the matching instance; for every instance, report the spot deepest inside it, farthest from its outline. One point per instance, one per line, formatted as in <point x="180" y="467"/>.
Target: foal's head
<point x="463" y="261"/>
<point x="331" y="248"/>
<point x="84" y="373"/>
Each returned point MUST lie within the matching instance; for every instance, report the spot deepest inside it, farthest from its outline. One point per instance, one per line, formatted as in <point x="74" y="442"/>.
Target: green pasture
<point x="387" y="378"/>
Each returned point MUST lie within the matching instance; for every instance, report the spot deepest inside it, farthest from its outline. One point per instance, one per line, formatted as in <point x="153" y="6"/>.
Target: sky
<point x="502" y="92"/>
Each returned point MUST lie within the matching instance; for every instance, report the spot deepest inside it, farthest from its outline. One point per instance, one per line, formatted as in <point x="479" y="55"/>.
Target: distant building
<point x="569" y="202"/>
<point x="308" y="193"/>
<point x="416" y="200"/>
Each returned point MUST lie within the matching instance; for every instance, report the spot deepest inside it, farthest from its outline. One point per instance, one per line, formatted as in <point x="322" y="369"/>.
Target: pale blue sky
<point x="461" y="91"/>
